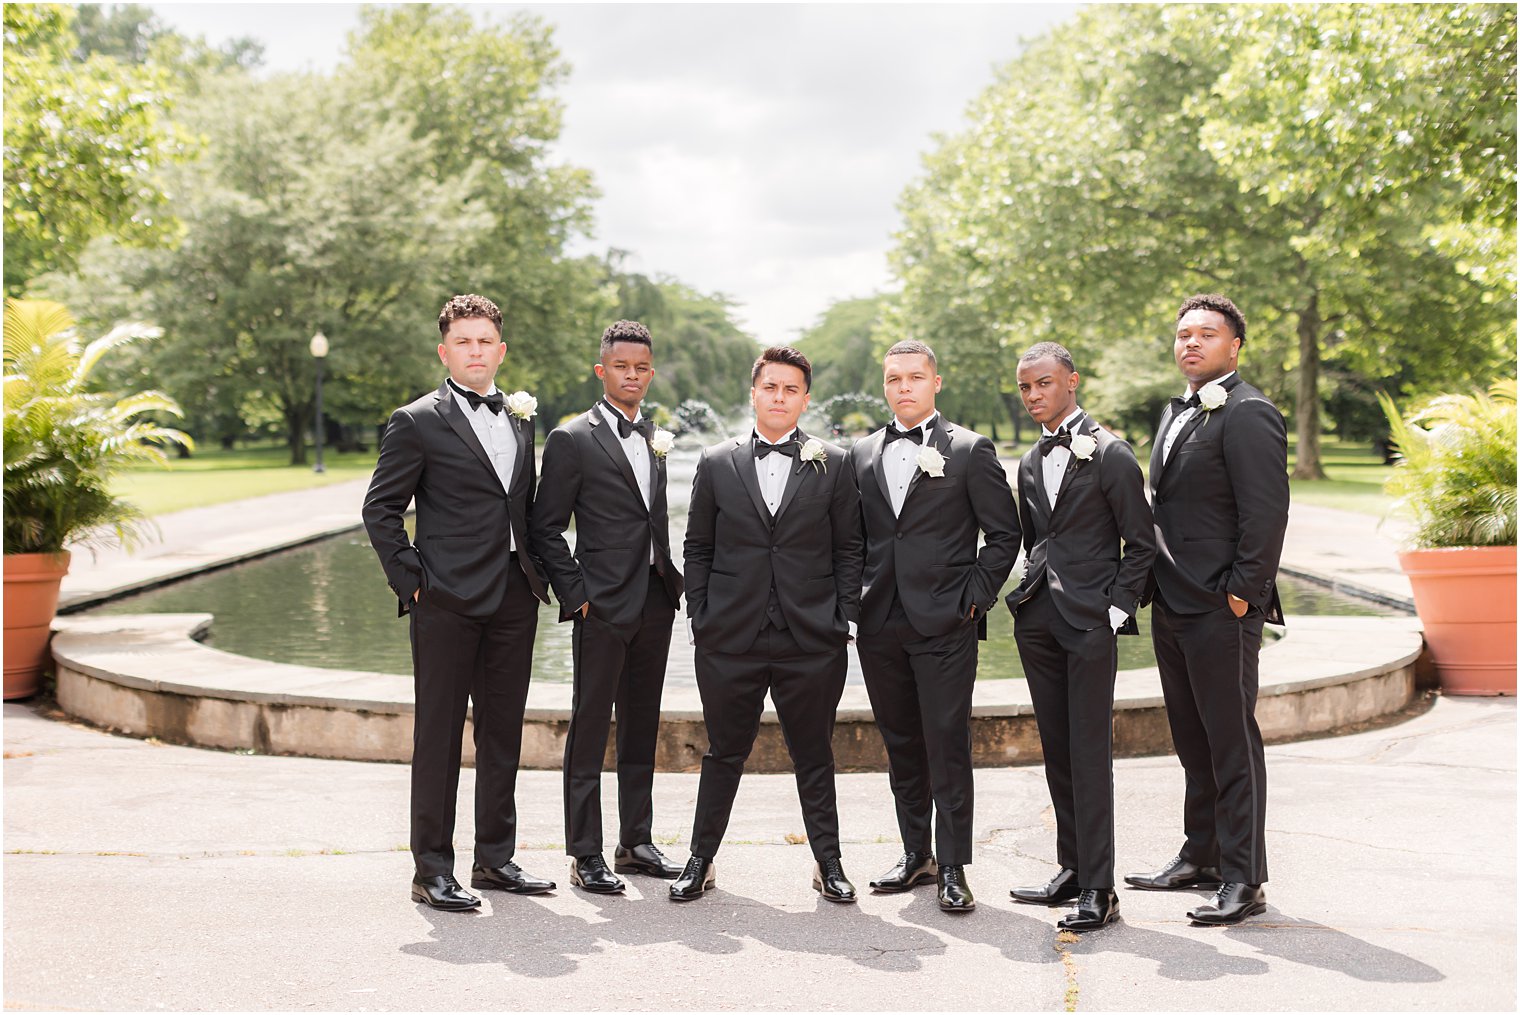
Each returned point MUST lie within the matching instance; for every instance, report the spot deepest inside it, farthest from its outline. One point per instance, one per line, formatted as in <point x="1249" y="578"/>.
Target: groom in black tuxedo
<point x="1089" y="544"/>
<point x="773" y="551"/>
<point x="620" y="588"/>
<point x="1219" y="491"/>
<point x="927" y="488"/>
<point x="465" y="454"/>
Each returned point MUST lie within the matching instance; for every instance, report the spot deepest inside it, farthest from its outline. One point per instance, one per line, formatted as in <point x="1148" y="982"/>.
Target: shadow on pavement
<point x="528" y="938"/>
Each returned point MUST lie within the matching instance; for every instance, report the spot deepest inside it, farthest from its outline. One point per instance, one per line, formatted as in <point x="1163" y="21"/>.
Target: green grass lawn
<point x="1355" y="483"/>
<point x="215" y="476"/>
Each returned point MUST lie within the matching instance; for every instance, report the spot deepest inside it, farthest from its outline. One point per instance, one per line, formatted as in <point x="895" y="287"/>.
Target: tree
<point x="83" y="139"/>
<point x="842" y="349"/>
<point x="1086" y="197"/>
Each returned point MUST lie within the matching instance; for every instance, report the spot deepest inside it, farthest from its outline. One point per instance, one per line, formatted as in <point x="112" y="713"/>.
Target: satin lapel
<point x="793" y="478"/>
<point x="606" y="436"/>
<point x="939" y="439"/>
<point x="1084" y="427"/>
<point x="1193" y="423"/>
<point x="1156" y="463"/>
<point x="454" y="417"/>
<point x="744" y="465"/>
<point x="880" y="437"/>
<point x="1032" y="485"/>
<point x="520" y="429"/>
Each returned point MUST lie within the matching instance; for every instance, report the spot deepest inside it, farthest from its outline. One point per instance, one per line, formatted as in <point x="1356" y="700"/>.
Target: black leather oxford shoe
<point x="1096" y="907"/>
<point x="591" y="874"/>
<point x="1231" y="904"/>
<point x="697" y="876"/>
<point x="442" y="892"/>
<point x="1059" y="889"/>
<point x="830" y="882"/>
<point x="954" y="894"/>
<point x="913" y="869"/>
<point x="509" y="878"/>
<point x="1177" y="874"/>
<point x="643" y="859"/>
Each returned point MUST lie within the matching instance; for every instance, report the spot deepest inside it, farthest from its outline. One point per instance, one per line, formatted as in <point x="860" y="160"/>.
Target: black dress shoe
<point x="592" y="874"/>
<point x="509" y="878"/>
<point x="1096" y="907"/>
<point x="1231" y="904"/>
<point x="1061" y="888"/>
<point x="954" y="894"/>
<point x="912" y="869"/>
<point x="830" y="882"/>
<point x="1177" y="874"/>
<point x="643" y="859"/>
<point x="697" y="877"/>
<point x="442" y="892"/>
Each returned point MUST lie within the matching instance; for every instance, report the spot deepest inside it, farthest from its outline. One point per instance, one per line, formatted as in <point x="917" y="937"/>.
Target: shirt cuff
<point x="1117" y="618"/>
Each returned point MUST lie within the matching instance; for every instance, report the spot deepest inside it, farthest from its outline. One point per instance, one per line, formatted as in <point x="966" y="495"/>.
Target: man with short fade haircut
<point x="928" y="487"/>
<point x="1089" y="543"/>
<point x="620" y="587"/>
<point x="1219" y="492"/>
<point x="772" y="590"/>
<point x="464" y="453"/>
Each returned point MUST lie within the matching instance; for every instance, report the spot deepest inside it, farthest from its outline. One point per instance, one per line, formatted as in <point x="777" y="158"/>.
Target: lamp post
<point x="319" y="353"/>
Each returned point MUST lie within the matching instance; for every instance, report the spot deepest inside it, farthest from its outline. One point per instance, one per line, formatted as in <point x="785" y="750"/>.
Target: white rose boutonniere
<point x="1211" y="396"/>
<point x="522" y="405"/>
<point x="1083" y="446"/>
<point x="814" y="454"/>
<point x="931" y="461"/>
<point x="661" y="442"/>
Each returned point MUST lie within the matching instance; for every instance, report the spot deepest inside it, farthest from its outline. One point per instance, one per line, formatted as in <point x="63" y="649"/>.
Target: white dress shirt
<point x="1054" y="464"/>
<point x="1180" y="420"/>
<point x="772" y="472"/>
<point x="636" y="448"/>
<point x="899" y="461"/>
<point x="497" y="435"/>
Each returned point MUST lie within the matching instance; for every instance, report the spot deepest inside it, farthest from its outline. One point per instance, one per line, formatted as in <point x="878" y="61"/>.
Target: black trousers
<point x="456" y="661"/>
<point x="920" y="690"/>
<point x="1208" y="665"/>
<point x="618" y="666"/>
<point x="805" y="688"/>
<point x="1071" y="673"/>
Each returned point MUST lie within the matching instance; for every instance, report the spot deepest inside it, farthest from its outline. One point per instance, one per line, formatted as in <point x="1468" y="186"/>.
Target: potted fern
<point x="63" y="443"/>
<point x="1455" y="479"/>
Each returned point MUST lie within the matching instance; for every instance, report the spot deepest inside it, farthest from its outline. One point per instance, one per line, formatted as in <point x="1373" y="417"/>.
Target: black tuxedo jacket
<point x="928" y="554"/>
<point x="1221" y="504"/>
<point x="1075" y="546"/>
<point x="736" y="552"/>
<point x="461" y="552"/>
<point x="585" y="472"/>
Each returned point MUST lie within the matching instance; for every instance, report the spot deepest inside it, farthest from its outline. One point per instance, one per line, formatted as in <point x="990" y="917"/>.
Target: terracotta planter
<point x="31" y="600"/>
<point x="1466" y="600"/>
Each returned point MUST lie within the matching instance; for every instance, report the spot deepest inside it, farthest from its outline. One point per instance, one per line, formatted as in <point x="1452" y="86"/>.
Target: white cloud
<point x="757" y="150"/>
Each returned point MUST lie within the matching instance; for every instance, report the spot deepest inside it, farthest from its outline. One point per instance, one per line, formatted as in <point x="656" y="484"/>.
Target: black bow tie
<point x="916" y="435"/>
<point x="1049" y="442"/>
<point x="789" y="448"/>
<point x="494" y="401"/>
<point x="627" y="429"/>
<point x="1180" y="404"/>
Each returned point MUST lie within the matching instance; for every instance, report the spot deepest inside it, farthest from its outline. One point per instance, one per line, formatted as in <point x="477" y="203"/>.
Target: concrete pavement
<point x="142" y="876"/>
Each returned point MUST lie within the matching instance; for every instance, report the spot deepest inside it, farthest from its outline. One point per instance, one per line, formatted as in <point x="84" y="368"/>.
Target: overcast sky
<point x="753" y="150"/>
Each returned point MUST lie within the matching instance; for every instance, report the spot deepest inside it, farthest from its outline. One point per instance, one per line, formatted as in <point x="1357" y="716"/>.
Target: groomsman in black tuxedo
<point x="773" y="550"/>
<point x="927" y="488"/>
<point x="1219" y="491"/>
<point x="620" y="588"/>
<point x="465" y="454"/>
<point x="1089" y="544"/>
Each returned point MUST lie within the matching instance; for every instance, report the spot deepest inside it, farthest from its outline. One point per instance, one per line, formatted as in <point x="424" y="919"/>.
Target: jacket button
<point x="775" y="549"/>
<point x="899" y="535"/>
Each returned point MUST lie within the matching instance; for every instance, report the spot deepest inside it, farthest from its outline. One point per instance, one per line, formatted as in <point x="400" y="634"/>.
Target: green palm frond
<point x="63" y="443"/>
<point x="1456" y="475"/>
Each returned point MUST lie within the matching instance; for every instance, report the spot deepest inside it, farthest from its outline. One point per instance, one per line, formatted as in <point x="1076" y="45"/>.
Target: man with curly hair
<point x="1219" y="493"/>
<point x="464" y="453"/>
<point x="619" y="588"/>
